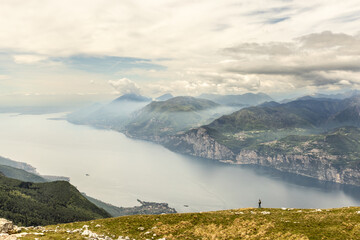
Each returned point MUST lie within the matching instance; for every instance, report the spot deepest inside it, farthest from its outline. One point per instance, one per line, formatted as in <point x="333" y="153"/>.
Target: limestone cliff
<point x="319" y="165"/>
<point x="197" y="143"/>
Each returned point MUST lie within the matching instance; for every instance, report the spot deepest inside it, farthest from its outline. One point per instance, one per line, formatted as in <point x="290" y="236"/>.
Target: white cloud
<point x="315" y="60"/>
<point x="28" y="58"/>
<point x="160" y="28"/>
<point x="125" y="86"/>
<point x="267" y="43"/>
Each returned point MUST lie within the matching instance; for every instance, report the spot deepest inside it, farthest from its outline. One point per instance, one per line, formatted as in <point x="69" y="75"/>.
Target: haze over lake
<point x="122" y="170"/>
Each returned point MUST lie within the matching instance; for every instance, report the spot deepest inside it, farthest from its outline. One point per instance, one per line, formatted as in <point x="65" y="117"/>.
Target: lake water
<point x="122" y="170"/>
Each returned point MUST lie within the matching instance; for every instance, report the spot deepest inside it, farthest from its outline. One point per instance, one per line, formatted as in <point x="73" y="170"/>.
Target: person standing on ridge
<point x="259" y="203"/>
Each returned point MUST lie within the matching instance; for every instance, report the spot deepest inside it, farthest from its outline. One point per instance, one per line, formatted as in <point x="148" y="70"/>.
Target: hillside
<point x="342" y="142"/>
<point x="20" y="174"/>
<point x="248" y="127"/>
<point x="171" y="116"/>
<point x="18" y="165"/>
<point x="197" y="127"/>
<point x="180" y="104"/>
<point x="259" y="118"/>
<point x="131" y="97"/>
<point x="314" y="138"/>
<point x="251" y="126"/>
<point x="27" y="203"/>
<point x="248" y="223"/>
<point x="164" y="97"/>
<point x="247" y="99"/>
<point x="25" y="172"/>
<point x="114" y="115"/>
<point x="297" y="114"/>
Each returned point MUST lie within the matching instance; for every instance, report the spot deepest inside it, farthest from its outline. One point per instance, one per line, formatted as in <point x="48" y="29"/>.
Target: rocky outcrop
<point x="315" y="166"/>
<point x="5" y="225"/>
<point x="197" y="142"/>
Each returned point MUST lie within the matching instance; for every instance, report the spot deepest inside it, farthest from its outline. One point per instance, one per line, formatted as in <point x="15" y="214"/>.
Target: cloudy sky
<point x="96" y="49"/>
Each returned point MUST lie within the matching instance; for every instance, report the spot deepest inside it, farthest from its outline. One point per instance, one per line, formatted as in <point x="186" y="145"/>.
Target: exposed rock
<point x="197" y="142"/>
<point x="315" y="166"/>
<point x="5" y="225"/>
<point x="5" y="236"/>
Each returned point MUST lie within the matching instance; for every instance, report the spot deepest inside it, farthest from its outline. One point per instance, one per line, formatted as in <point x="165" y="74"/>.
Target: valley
<point x="152" y="172"/>
<point x="313" y="137"/>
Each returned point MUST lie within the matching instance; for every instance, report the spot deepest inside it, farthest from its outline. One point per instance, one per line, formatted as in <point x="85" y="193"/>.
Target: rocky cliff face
<point x="319" y="167"/>
<point x="198" y="143"/>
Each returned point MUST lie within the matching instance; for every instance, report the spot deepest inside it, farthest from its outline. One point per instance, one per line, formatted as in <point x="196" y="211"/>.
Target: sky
<point x="62" y="51"/>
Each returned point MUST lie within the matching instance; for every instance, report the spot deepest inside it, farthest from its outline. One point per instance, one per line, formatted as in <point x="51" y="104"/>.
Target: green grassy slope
<point x="249" y="223"/>
<point x="180" y="104"/>
<point x="28" y="203"/>
<point x="296" y="114"/>
<point x="259" y="118"/>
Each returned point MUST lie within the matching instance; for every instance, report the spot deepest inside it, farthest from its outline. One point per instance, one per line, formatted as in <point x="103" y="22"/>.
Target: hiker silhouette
<point x="259" y="203"/>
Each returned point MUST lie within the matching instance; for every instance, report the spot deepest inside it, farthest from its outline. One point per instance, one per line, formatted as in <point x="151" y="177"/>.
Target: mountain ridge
<point x="247" y="99"/>
<point x="248" y="136"/>
<point x="27" y="203"/>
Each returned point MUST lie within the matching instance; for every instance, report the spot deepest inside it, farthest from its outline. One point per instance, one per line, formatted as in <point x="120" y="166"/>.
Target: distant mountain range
<point x="18" y="165"/>
<point x="171" y="116"/>
<point x="321" y="96"/>
<point x="205" y="128"/>
<point x="164" y="97"/>
<point x="25" y="172"/>
<point x="316" y="138"/>
<point x="136" y="116"/>
<point x="310" y="113"/>
<point x="168" y="114"/>
<point x="113" y="115"/>
<point x="21" y="175"/>
<point x="131" y="97"/>
<point x="247" y="99"/>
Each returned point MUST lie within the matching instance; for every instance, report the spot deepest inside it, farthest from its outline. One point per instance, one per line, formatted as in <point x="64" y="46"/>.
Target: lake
<point x="121" y="170"/>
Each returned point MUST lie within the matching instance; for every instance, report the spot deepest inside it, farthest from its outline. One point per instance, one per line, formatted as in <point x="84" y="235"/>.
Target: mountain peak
<point x="164" y="97"/>
<point x="132" y="97"/>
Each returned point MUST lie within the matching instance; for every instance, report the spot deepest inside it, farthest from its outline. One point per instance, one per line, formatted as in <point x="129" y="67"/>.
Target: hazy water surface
<point x="122" y="170"/>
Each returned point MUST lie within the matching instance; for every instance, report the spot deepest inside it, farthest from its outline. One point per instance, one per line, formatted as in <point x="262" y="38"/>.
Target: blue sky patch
<point x="276" y="20"/>
<point x="108" y="64"/>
